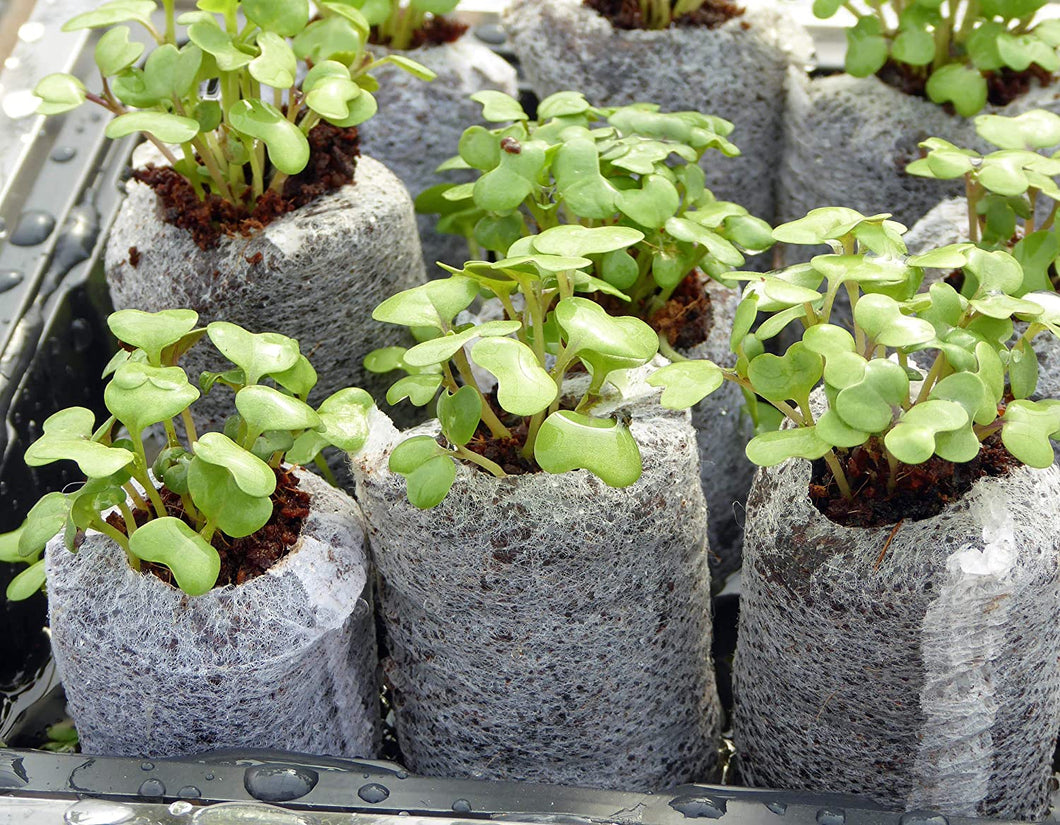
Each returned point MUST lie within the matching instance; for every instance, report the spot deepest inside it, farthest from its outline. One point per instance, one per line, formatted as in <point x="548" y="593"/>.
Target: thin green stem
<point x="130" y="520"/>
<point x="325" y="470"/>
<point x="489" y="417"/>
<point x="470" y="455"/>
<point x="189" y="426"/>
<point x="100" y="525"/>
<point x="840" y="477"/>
<point x="971" y="195"/>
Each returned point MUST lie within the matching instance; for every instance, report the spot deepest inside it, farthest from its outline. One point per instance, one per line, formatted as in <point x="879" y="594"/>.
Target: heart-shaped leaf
<point x="115" y="11"/>
<point x="686" y="383"/>
<point x="286" y="18"/>
<point x="819" y="226"/>
<point x="498" y="107"/>
<point x="114" y="53"/>
<point x="43" y="522"/>
<point x="433" y="304"/>
<point x="571" y="441"/>
<point x="1026" y="429"/>
<point x="287" y="145"/>
<point x="912" y="440"/>
<point x="220" y="499"/>
<point x="459" y="414"/>
<point x="215" y="41"/>
<point x="1036" y="129"/>
<point x="68" y="435"/>
<point x="250" y="474"/>
<point x="152" y="331"/>
<point x="870" y="392"/>
<point x="257" y="354"/>
<point x="789" y="376"/>
<point x="960" y="85"/>
<point x="772" y="448"/>
<point x="141" y="395"/>
<point x="419" y="389"/>
<point x="26" y="583"/>
<point x="524" y="387"/>
<point x="167" y="127"/>
<point x="276" y="65"/>
<point x="441" y="349"/>
<point x="603" y="342"/>
<point x="881" y="317"/>
<point x="832" y="428"/>
<point x="514" y="178"/>
<point x="652" y="204"/>
<point x="584" y="190"/>
<point x="264" y="408"/>
<point x="344" y="418"/>
<point x="59" y="93"/>
<point x="171" y="542"/>
<point x="577" y="241"/>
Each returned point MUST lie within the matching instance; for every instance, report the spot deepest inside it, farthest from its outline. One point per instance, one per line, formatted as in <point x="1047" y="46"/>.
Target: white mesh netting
<point x="324" y="268"/>
<point x="285" y="660"/>
<point x="419" y="125"/>
<point x="930" y="682"/>
<point x="551" y="628"/>
<point x="736" y="71"/>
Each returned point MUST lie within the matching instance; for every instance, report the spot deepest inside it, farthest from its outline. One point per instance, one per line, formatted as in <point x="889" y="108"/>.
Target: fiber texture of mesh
<point x="723" y="429"/>
<point x="419" y="124"/>
<point x="735" y="72"/>
<point x="286" y="660"/>
<point x="928" y="682"/>
<point x="548" y="627"/>
<point x="324" y="268"/>
<point x="848" y="141"/>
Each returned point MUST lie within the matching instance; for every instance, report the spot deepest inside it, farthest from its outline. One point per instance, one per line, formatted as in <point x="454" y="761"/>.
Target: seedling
<point x="546" y="330"/>
<point x="873" y="388"/>
<point x="396" y="21"/>
<point x="580" y="166"/>
<point x="235" y="97"/>
<point x="224" y="480"/>
<point x="661" y="14"/>
<point x="949" y="46"/>
<point x="1004" y="188"/>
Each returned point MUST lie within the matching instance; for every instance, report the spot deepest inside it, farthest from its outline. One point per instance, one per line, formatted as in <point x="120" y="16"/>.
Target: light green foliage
<point x="627" y="169"/>
<point x="251" y="134"/>
<point x="547" y="329"/>
<point x="225" y="481"/>
<point x="872" y="388"/>
<point x="396" y="21"/>
<point x="950" y="45"/>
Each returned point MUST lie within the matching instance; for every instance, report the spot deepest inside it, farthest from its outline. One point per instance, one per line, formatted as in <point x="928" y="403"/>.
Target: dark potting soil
<point x="686" y="319"/>
<point x="1003" y="86"/>
<point x="921" y="491"/>
<point x="625" y="14"/>
<point x="332" y="162"/>
<point x="504" y="452"/>
<point x="437" y="31"/>
<point x="245" y="558"/>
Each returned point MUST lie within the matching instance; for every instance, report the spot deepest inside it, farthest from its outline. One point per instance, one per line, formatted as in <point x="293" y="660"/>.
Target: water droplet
<point x="279" y="783"/>
<point x="98" y="812"/>
<point x="401" y="775"/>
<point x="831" y="816"/>
<point x="189" y="792"/>
<point x="373" y="792"/>
<point x="699" y="807"/>
<point x="208" y="776"/>
<point x="34" y="227"/>
<point x="923" y="818"/>
<point x="181" y="808"/>
<point x="246" y="813"/>
<point x="779" y="808"/>
<point x="490" y="33"/>
<point x="31" y="32"/>
<point x="152" y="788"/>
<point x="63" y="154"/>
<point x="20" y="104"/>
<point x="462" y="806"/>
<point x="147" y="766"/>
<point x="9" y="279"/>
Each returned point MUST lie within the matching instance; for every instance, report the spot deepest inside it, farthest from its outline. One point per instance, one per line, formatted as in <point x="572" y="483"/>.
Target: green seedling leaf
<point x="1036" y="129"/>
<point x="26" y="583"/>
<point x="287" y="145"/>
<point x="505" y="187"/>
<point x="59" y="93"/>
<point x="68" y="435"/>
<point x="441" y="349"/>
<point x="250" y="474"/>
<point x="716" y="246"/>
<point x="218" y="43"/>
<point x="305" y="448"/>
<point x="331" y="97"/>
<point x="870" y="392"/>
<point x="386" y="359"/>
<point x="152" y="331"/>
<point x="1023" y="370"/>
<point x="749" y="232"/>
<point x="789" y="376"/>
<point x="743" y="320"/>
<point x="951" y="256"/>
<point x="256" y="354"/>
<point x="828" y="340"/>
<point x="944" y="161"/>
<point x="819" y="226"/>
<point x="498" y="233"/>
<point x="866" y="48"/>
<point x="419" y="389"/>
<point x="264" y="408"/>
<point x="433" y="304"/>
<point x="43" y="522"/>
<point x="459" y="414"/>
<point x="413" y="452"/>
<point x="170" y="72"/>
<point x="332" y="38"/>
<point x="972" y="393"/>
<point x="171" y="542"/>
<point x="141" y="395"/>
<point x="880" y="316"/>
<point x="524" y="387"/>
<point x="562" y="104"/>
<point x="480" y="148"/>
<point x="429" y="483"/>
<point x="1026" y="429"/>
<point x="9" y="545"/>
<point x="586" y="192"/>
<point x="168" y="128"/>
<point x="1036" y="253"/>
<point x="285" y="19"/>
<point x="686" y="383"/>
<point x="114" y="53"/>
<point x="344" y="418"/>
<point x="276" y="66"/>
<point x="914" y="47"/>
<point x="115" y="11"/>
<point x="417" y="70"/>
<point x="652" y="204"/>
<point x="299" y="379"/>
<point x="619" y="269"/>
<point x="219" y="498"/>
<point x="577" y="241"/>
<point x="1019" y="52"/>
<point x="603" y="342"/>
<point x="498" y="107"/>
<point x="960" y="85"/>
<point x="772" y="448"/>
<point x="912" y="440"/>
<point x="863" y="270"/>
<point x="571" y="441"/>
<point x="832" y="428"/>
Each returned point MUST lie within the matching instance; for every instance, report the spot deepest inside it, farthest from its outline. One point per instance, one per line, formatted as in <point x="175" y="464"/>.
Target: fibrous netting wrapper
<point x="322" y="269"/>
<point x="285" y="660"/>
<point x="419" y="125"/>
<point x="848" y="141"/>
<point x="736" y="71"/>
<point x="549" y="627"/>
<point x="928" y="681"/>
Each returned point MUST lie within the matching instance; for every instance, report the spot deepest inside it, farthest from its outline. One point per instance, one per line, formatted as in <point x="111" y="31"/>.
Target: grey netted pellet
<point x="723" y="429"/>
<point x="548" y="627"/>
<point x="736" y="71"/>
<point x="286" y="660"/>
<point x="848" y="141"/>
<point x="315" y="274"/>
<point x="928" y="682"/>
<point x="419" y="125"/>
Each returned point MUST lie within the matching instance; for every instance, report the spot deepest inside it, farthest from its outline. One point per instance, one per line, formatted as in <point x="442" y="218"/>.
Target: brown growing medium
<point x="686" y="319"/>
<point x="625" y="14"/>
<point x="1003" y="86"/>
<point x="437" y="31"/>
<point x="922" y="490"/>
<point x="332" y="162"/>
<point x="504" y="452"/>
<point x="248" y="557"/>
